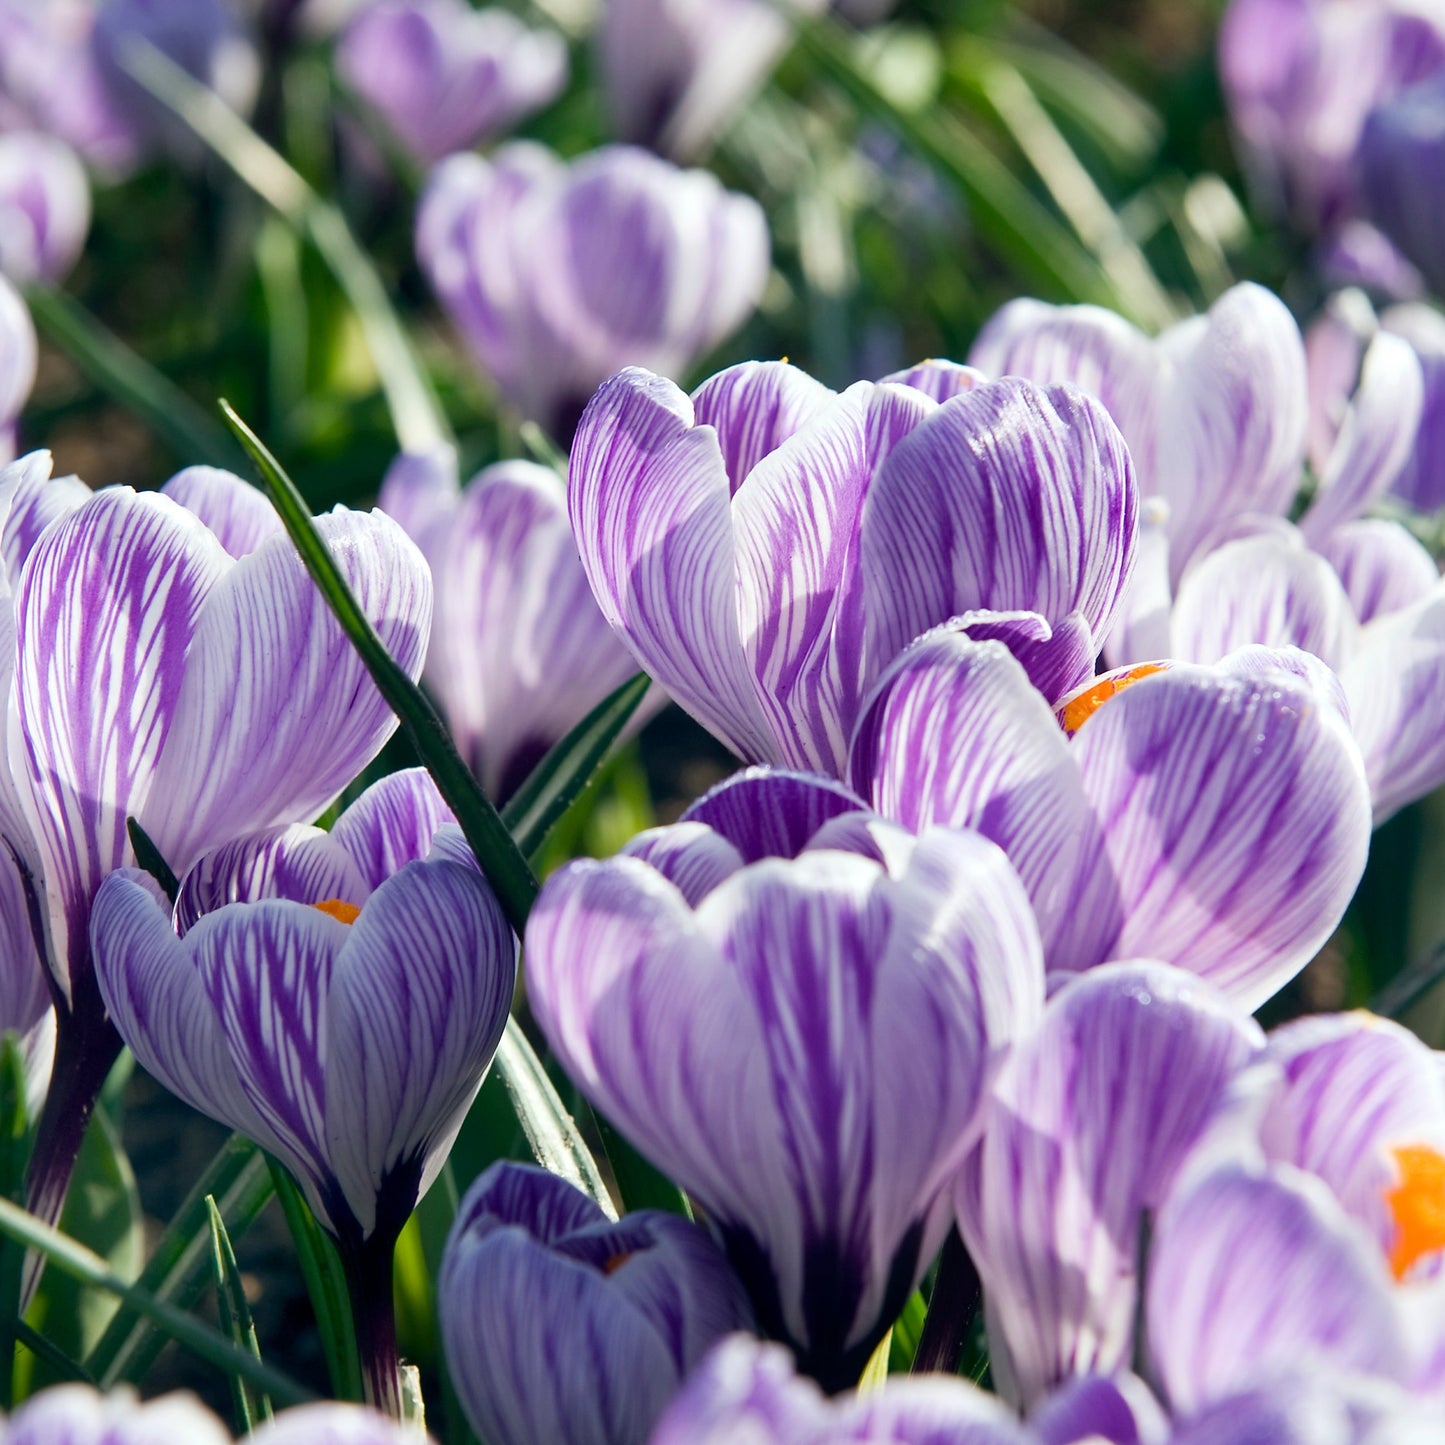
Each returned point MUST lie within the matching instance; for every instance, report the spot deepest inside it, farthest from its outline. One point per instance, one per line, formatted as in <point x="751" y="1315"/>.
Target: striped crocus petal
<point x="107" y="608"/>
<point x="1091" y="1120"/>
<point x="771" y="812"/>
<point x="241" y="516"/>
<point x="275" y="700"/>
<point x="1009" y="497"/>
<point x="520" y="652"/>
<point x="1396" y="687"/>
<point x="938" y="379"/>
<point x="30" y="500"/>
<point x="755" y="407"/>
<point x="1381" y="566"/>
<point x="562" y="1325"/>
<point x="420" y="490"/>
<point x="649" y="500"/>
<point x="1294" y="1409"/>
<point x="44" y="207"/>
<point x="331" y="1424"/>
<point x="1120" y="1409"/>
<point x="80" y="1415"/>
<point x="433" y="947"/>
<point x="1335" y="342"/>
<point x="802" y="596"/>
<point x="1269" y="589"/>
<point x="394" y="822"/>
<point x="1401" y="150"/>
<point x="1255" y="1275"/>
<point x="955" y="735"/>
<point x="18" y="356"/>
<point x="1351" y="1090"/>
<point x="1235" y="818"/>
<point x="1422" y="482"/>
<point x="766" y="1051"/>
<point x="1376" y="436"/>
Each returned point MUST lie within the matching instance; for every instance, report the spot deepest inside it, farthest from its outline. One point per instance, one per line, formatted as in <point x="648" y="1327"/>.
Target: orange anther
<point x="1079" y="707"/>
<point x="341" y="912"/>
<point x="1418" y="1204"/>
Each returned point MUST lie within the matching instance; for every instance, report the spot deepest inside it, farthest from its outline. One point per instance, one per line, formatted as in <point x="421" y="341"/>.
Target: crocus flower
<point x="561" y="1324"/>
<point x="1216" y="818"/>
<point x="519" y="651"/>
<point x="557" y="275"/>
<point x="44" y="207"/>
<point x="767" y="547"/>
<point x="674" y="74"/>
<point x="1402" y="153"/>
<point x="157" y="677"/>
<point x="236" y="513"/>
<point x="445" y="76"/>
<point x="802" y="1042"/>
<point x="1421" y="484"/>
<point x="1303" y="77"/>
<point x="346" y="1027"/>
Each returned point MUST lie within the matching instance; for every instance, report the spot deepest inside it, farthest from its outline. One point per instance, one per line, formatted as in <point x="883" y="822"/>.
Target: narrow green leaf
<point x="14" y="1157"/>
<point x="415" y="412"/>
<point x="556" y="1142"/>
<point x="235" y="1317"/>
<point x="184" y="428"/>
<point x="177" y="1270"/>
<point x="58" y="1364"/>
<point x="148" y="856"/>
<point x="73" y="1258"/>
<point x="326" y="1285"/>
<point x="560" y="778"/>
<point x="907" y="1332"/>
<point x="875" y="1372"/>
<point x="1007" y="216"/>
<point x="542" y="447"/>
<point x="506" y="867"/>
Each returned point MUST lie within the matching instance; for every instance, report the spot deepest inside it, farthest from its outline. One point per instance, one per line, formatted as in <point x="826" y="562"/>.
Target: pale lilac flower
<point x="804" y="1043"/>
<point x="44" y="207"/>
<point x="1303" y="77"/>
<point x="767" y="547"/>
<point x="558" y="274"/>
<point x="238" y="514"/>
<point x="675" y="71"/>
<point x="519" y="651"/>
<point x="563" y="1325"/>
<point x="18" y="357"/>
<point x="445" y="76"/>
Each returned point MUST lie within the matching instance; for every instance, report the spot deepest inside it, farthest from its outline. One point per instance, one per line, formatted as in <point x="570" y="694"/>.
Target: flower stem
<point x="368" y="1268"/>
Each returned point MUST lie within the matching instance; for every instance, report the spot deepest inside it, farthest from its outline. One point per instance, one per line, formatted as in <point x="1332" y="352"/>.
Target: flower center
<point x="617" y="1261"/>
<point x="1418" y="1204"/>
<point x="1080" y="706"/>
<point x="341" y="912"/>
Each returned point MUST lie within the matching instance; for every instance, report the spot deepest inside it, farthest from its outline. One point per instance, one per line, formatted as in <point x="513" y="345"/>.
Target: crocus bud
<point x="558" y="275"/>
<point x="446" y="76"/>
<point x="44" y="207"/>
<point x="561" y="1324"/>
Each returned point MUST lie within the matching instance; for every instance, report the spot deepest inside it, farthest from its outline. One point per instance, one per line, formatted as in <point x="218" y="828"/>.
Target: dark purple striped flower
<point x="519" y="652"/>
<point x="561" y="1324"/>
<point x="766" y="547"/>
<point x="1216" y="818"/>
<point x="445" y="76"/>
<point x="803" y="1042"/>
<point x="557" y="274"/>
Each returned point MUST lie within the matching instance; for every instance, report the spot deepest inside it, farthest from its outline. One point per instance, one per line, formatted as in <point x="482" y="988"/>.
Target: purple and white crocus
<point x="561" y="1324"/>
<point x="767" y="547"/>
<point x="158" y="677"/>
<point x="558" y="274"/>
<point x="335" y="997"/>
<point x="519" y="651"/>
<point x="795" y="1010"/>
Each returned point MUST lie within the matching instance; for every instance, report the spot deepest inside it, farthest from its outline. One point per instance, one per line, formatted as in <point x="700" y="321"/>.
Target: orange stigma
<point x="617" y="1261"/>
<point x="1418" y="1204"/>
<point x="1080" y="706"/>
<point x="341" y="912"/>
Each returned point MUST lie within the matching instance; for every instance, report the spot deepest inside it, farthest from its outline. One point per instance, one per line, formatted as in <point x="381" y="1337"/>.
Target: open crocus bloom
<point x="1216" y="818"/>
<point x="804" y="1041"/>
<point x="767" y="547"/>
<point x="563" y="1325"/>
<point x="558" y="274"/>
<point x="519" y="651"/>
<point x="444" y="75"/>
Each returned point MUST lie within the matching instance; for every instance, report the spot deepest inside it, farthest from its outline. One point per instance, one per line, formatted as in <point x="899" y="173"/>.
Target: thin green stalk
<point x="73" y="1258"/>
<point x="235" y="1317"/>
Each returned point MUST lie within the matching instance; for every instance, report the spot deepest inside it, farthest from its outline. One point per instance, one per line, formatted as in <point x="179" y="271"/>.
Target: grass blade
<point x="326" y="1285"/>
<point x="50" y="1354"/>
<point x="189" y="434"/>
<point x="561" y="777"/>
<point x="416" y="414"/>
<point x="235" y="1316"/>
<point x="176" y="1270"/>
<point x="73" y="1258"/>
<point x="148" y="857"/>
<point x="506" y="867"/>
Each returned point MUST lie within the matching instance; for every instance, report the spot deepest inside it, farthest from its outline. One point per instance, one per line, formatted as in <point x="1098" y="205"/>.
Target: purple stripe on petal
<point x="648" y="497"/>
<point x="1235" y="819"/>
<point x="418" y="998"/>
<point x="938" y="379"/>
<point x="690" y="856"/>
<point x="241" y="516"/>
<point x="1119" y="1409"/>
<point x="392" y="823"/>
<point x="1381" y="566"/>
<point x="771" y="813"/>
<point x="30" y="500"/>
<point x="1334" y="345"/>
<point x="106" y="610"/>
<point x="275" y="699"/>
